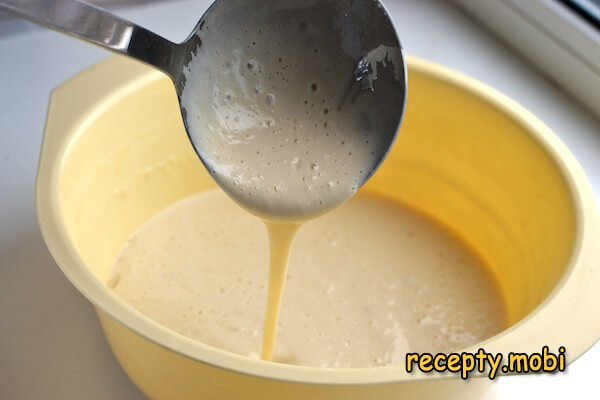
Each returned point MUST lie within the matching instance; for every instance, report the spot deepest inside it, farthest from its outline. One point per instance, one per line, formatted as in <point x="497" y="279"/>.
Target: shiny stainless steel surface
<point x="97" y="26"/>
<point x="354" y="37"/>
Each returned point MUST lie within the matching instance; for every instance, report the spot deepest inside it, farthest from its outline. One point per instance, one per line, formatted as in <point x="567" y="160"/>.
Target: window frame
<point x="552" y="36"/>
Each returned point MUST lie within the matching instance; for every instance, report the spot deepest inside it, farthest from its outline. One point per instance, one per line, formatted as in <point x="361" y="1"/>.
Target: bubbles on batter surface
<point x="272" y="106"/>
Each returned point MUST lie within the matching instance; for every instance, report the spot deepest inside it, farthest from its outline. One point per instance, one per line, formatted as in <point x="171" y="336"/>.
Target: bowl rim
<point x="131" y="76"/>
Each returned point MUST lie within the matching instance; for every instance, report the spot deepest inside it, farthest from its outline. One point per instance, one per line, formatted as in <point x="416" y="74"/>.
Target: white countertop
<point x="51" y="346"/>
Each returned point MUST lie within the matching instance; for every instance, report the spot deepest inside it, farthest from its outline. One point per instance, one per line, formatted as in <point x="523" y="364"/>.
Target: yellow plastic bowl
<point x="115" y="153"/>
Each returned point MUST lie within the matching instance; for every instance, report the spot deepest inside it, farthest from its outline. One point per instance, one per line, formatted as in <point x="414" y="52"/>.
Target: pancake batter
<point x="366" y="283"/>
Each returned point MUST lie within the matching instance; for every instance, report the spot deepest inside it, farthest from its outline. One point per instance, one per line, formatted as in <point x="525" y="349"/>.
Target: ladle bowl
<point x="256" y="75"/>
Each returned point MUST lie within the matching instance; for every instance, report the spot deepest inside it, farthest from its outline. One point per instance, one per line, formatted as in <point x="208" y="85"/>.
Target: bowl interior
<point x="459" y="158"/>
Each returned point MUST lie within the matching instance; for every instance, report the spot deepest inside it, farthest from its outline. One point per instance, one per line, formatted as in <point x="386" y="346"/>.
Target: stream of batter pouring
<point x="281" y="238"/>
<point x="272" y="131"/>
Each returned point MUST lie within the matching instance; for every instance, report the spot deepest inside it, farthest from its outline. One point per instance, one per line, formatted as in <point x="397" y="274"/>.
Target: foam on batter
<point x="366" y="283"/>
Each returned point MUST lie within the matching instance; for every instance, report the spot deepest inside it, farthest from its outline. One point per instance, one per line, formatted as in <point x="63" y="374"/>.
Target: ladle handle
<point x="97" y="26"/>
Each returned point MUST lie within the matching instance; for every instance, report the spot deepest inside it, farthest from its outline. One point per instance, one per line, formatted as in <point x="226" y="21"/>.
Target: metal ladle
<point x="332" y="62"/>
